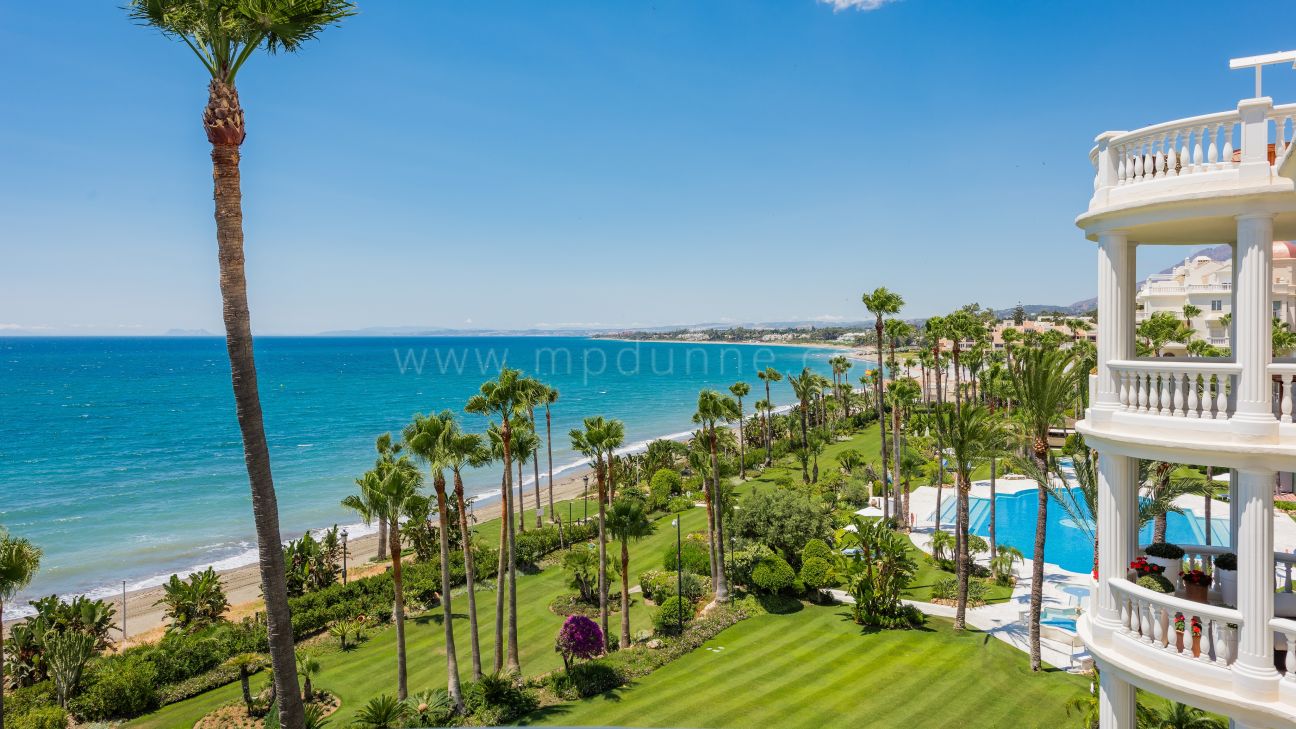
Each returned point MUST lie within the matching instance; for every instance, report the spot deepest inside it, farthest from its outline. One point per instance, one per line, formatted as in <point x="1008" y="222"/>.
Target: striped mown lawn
<point x="817" y="669"/>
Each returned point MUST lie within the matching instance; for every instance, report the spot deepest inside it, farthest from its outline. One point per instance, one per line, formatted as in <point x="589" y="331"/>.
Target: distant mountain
<point x="1218" y="253"/>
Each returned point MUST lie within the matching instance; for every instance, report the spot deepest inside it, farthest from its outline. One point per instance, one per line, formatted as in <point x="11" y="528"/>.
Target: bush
<point x="46" y="717"/>
<point x="664" y="484"/>
<point x="816" y="548"/>
<point x="946" y="588"/>
<point x="679" y="503"/>
<point x="496" y="700"/>
<point x="743" y="560"/>
<point x="658" y="585"/>
<point x="1285" y="505"/>
<point x="121" y="687"/>
<point x="666" y="620"/>
<point x="1156" y="583"/>
<point x="784" y="520"/>
<point x="855" y="493"/>
<point x="772" y="574"/>
<point x="693" y="555"/>
<point x="1164" y="550"/>
<point x="816" y="574"/>
<point x="1226" y="561"/>
<point x="977" y="545"/>
<point x="22" y="700"/>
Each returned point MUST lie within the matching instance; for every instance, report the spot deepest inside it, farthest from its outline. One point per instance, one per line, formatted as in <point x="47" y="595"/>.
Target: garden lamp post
<point x="344" y="556"/>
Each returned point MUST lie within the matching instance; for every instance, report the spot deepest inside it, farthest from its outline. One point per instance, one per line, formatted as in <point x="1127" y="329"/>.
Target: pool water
<point x="1066" y="544"/>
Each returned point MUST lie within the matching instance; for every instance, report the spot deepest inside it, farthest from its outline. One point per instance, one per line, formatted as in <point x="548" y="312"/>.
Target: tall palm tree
<point x="712" y="408"/>
<point x="495" y="435"/>
<point x="526" y="449"/>
<point x="550" y="397"/>
<point x="223" y="36"/>
<point x="466" y="450"/>
<point x="385" y="493"/>
<point x="1044" y="381"/>
<point x="19" y="562"/>
<point x="768" y="375"/>
<point x="598" y="441"/>
<point x="882" y="303"/>
<point x="505" y="397"/>
<point x="388" y="449"/>
<point x="968" y="432"/>
<point x="804" y="387"/>
<point x="536" y="392"/>
<point x="741" y="390"/>
<point x="627" y="521"/>
<point x="428" y="437"/>
<point x="1189" y="313"/>
<point x="902" y="395"/>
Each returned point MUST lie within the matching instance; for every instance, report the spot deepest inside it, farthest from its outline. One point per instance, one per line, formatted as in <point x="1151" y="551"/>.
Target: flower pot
<point x="1228" y="585"/>
<point x="1196" y="643"/>
<point x="1179" y="644"/>
<point x="1172" y="568"/>
<point x="1196" y="593"/>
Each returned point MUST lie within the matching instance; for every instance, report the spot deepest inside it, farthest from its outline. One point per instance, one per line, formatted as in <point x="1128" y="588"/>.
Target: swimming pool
<point x="1066" y="543"/>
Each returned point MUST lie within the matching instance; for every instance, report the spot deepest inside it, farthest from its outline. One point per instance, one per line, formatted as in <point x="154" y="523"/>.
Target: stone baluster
<point x="1194" y="408"/>
<point x="1167" y="399"/>
<point x="1149" y="622"/>
<point x="1177" y="386"/>
<point x="1123" y="389"/>
<point x="1212" y="149"/>
<point x="1289" y="637"/>
<point x="1158" y="158"/>
<point x="1285" y="398"/>
<point x="1172" y="156"/>
<point x="1221" y="396"/>
<point x="1199" y="154"/>
<point x="1227" y="158"/>
<point x="1287" y="577"/>
<point x="1139" y="170"/>
<point x="1185" y="156"/>
<point x="1120" y="164"/>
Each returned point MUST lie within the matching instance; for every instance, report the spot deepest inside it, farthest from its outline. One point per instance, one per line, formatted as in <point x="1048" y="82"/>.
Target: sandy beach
<point x="144" y="617"/>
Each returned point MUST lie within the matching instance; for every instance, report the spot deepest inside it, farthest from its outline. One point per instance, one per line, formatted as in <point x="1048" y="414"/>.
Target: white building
<point x="1207" y="284"/>
<point x="1218" y="178"/>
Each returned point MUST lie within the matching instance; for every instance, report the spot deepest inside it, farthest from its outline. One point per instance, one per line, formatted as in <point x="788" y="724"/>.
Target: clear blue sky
<point x="521" y="163"/>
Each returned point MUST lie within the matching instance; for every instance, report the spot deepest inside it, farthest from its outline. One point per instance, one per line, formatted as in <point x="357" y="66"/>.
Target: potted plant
<point x="1196" y="585"/>
<point x="1226" y="575"/>
<point x="1141" y="567"/>
<point x="1169" y="556"/>
<point x="1196" y="636"/>
<point x="1180" y="624"/>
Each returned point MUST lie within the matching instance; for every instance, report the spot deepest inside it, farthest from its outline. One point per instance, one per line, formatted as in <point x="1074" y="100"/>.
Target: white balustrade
<point x="1175" y="388"/>
<point x="1284" y="129"/>
<point x="1168" y="623"/>
<point x="1283" y="375"/>
<point x="1287" y="629"/>
<point x="1202" y="557"/>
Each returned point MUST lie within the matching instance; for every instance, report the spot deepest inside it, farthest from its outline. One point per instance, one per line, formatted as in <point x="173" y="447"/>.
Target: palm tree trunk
<point x="247" y="403"/>
<point x="501" y="572"/>
<point x="243" y="684"/>
<point x="602" y="548"/>
<point x="882" y="426"/>
<point x="469" y="577"/>
<point x="452" y="659"/>
<point x="710" y="531"/>
<point x="402" y="689"/>
<point x="940" y="447"/>
<point x="769" y="456"/>
<point x="512" y="665"/>
<point x="549" y="447"/>
<point x="521" y="515"/>
<point x="742" y="444"/>
<point x="721" y="584"/>
<point x="625" y="595"/>
<point x="1037" y="566"/>
<point x="895" y="464"/>
<point x="382" y="540"/>
<point x="963" y="568"/>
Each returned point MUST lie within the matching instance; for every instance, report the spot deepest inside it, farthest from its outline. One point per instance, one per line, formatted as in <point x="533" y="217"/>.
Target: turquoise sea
<point x="121" y="457"/>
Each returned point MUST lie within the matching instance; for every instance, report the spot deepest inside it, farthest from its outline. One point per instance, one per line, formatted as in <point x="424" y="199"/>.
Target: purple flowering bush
<point x="579" y="637"/>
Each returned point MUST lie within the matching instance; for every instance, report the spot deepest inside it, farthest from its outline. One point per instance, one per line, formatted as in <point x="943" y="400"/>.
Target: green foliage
<point x="772" y="575"/>
<point x="657" y="585"/>
<point x="1156" y="583"/>
<point x="584" y="680"/>
<point x="783" y="520"/>
<point x="45" y="717"/>
<point x="382" y="712"/>
<point x="194" y="602"/>
<point x="665" y="484"/>
<point x="667" y="619"/>
<point x="877" y="573"/>
<point x="1226" y="561"/>
<point x="120" y="687"/>
<point x="816" y="573"/>
<point x="581" y="565"/>
<point x="744" y="559"/>
<point x="80" y="614"/>
<point x="692" y="554"/>
<point x="946" y="588"/>
<point x="1164" y="550"/>
<point x="496" y="700"/>
<point x="977" y="545"/>
<point x="66" y="655"/>
<point x="432" y="707"/>
<point x="534" y="544"/>
<point x="312" y="564"/>
<point x="678" y="504"/>
<point x="816" y="548"/>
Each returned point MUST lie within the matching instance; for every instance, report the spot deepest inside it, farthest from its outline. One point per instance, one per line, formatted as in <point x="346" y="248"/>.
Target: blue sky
<point x="518" y="164"/>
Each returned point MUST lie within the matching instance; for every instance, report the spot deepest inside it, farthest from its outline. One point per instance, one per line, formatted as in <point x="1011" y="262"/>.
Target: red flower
<point x="1145" y="568"/>
<point x="1197" y="577"/>
<point x="1196" y="626"/>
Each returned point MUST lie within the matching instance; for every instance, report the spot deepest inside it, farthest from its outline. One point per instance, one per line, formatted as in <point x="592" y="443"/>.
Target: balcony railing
<point x="1196" y="631"/>
<point x="1283" y="375"/>
<point x="1202" y="556"/>
<point x="1177" y="389"/>
<point x="1287" y="629"/>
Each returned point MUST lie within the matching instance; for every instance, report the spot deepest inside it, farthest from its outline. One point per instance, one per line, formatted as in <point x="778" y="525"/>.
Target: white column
<point x="1254" y="675"/>
<point x="1116" y="702"/>
<point x="1117" y="534"/>
<point x="1255" y="139"/>
<point x="1252" y="314"/>
<point x="1115" y="315"/>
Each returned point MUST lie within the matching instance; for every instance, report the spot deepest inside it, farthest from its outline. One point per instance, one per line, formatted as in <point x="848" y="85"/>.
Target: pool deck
<point x="1005" y="620"/>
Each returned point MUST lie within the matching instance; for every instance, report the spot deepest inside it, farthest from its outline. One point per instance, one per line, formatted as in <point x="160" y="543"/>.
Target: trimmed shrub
<point x="594" y="678"/>
<point x="816" y="548"/>
<point x="658" y="585"/>
<point x="816" y="574"/>
<point x="946" y="588"/>
<point x="46" y="717"/>
<point x="122" y="687"/>
<point x="1156" y="583"/>
<point x="693" y="555"/>
<point x="742" y="561"/>
<point x="664" y="484"/>
<point x="1226" y="561"/>
<point x="772" y="574"/>
<point x="1164" y="550"/>
<point x="496" y="700"/>
<point x="667" y="619"/>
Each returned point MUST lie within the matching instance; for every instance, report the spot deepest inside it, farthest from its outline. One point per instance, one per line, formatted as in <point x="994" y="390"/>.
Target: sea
<point x="121" y="457"/>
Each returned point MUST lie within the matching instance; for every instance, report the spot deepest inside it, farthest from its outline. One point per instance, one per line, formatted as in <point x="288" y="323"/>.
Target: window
<point x="1217" y="305"/>
<point x="1277" y="308"/>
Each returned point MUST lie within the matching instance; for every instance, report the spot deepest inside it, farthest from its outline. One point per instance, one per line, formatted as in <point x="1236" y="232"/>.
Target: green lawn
<point x="920" y="587"/>
<point x="816" y="669"/>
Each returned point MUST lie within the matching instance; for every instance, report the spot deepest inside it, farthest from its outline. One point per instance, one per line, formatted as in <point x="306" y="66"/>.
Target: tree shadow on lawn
<point x="613" y="696"/>
<point x="780" y="604"/>
<point x="436" y="616"/>
<point x="847" y="617"/>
